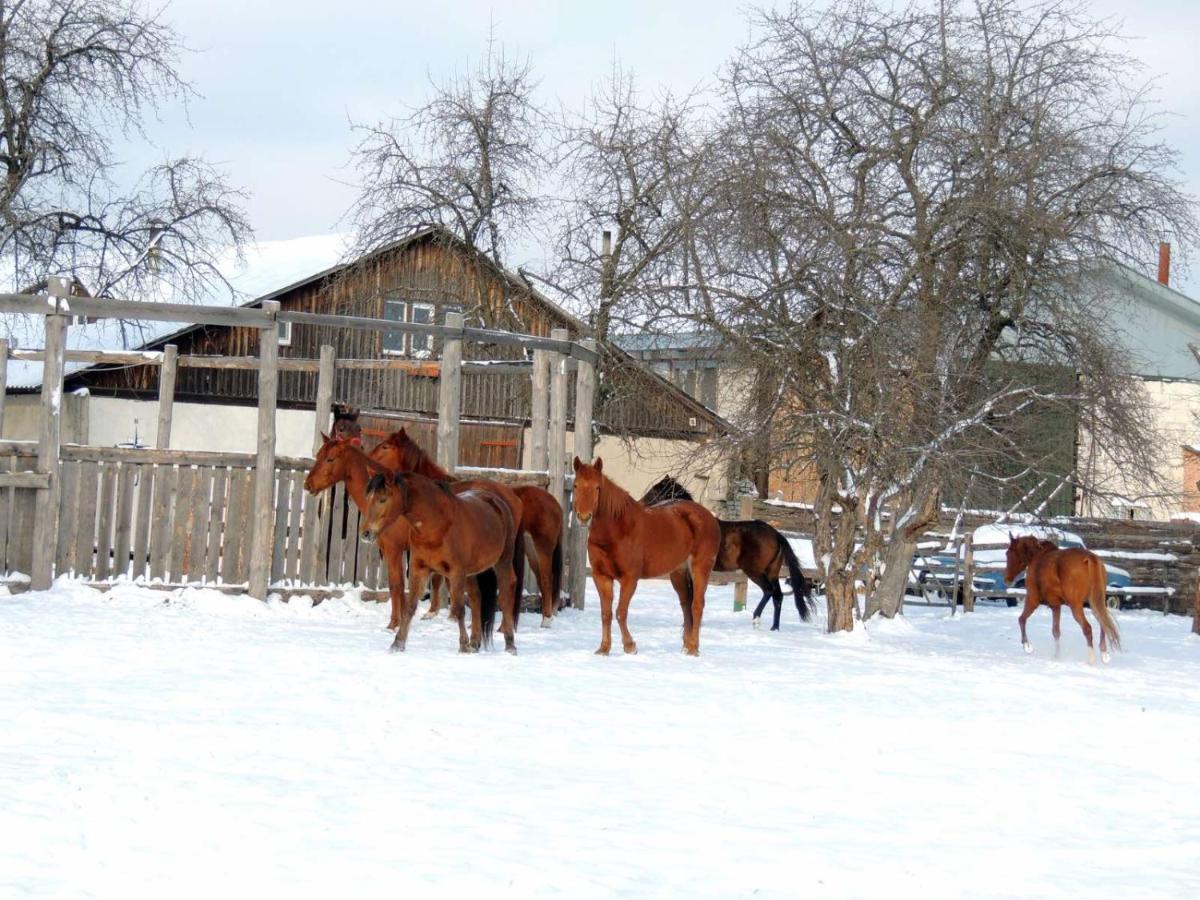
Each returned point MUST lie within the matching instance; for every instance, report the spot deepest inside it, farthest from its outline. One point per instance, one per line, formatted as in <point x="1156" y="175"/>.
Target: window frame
<point x="285" y="338"/>
<point x="403" y="349"/>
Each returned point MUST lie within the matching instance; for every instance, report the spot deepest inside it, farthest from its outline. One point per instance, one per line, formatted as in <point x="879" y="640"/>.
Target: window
<point x="399" y="343"/>
<point x="285" y="334"/>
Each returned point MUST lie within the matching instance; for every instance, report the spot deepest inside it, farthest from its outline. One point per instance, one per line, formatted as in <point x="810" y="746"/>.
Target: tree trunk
<point x="888" y="597"/>
<point x="840" y="600"/>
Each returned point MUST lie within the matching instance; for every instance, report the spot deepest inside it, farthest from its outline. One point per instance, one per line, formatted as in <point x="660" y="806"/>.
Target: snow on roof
<point x="266" y="267"/>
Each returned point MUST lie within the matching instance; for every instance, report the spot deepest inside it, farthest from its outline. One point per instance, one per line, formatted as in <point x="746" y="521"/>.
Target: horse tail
<point x="556" y="571"/>
<point x="518" y="562"/>
<point x="1098" y="600"/>
<point x="489" y="590"/>
<point x="801" y="589"/>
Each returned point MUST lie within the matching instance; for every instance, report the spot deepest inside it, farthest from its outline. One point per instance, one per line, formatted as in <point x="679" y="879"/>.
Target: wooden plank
<point x="161" y="524"/>
<point x="145" y="477"/>
<point x="3" y="397"/>
<point x="585" y="392"/>
<point x="539" y="420"/>
<point x="283" y="495"/>
<point x="262" y="518"/>
<point x="337" y="508"/>
<point x="216" y="525"/>
<point x="187" y="479"/>
<point x="311" y="540"/>
<point x="173" y="457"/>
<point x="291" y="569"/>
<point x="138" y="310"/>
<point x="324" y="407"/>
<point x="235" y="555"/>
<point x="97" y="357"/>
<point x="25" y="512"/>
<point x="557" y="428"/>
<point x="35" y="480"/>
<point x="7" y="499"/>
<point x="68" y="500"/>
<point x="45" y="524"/>
<point x="450" y="397"/>
<point x="202" y="510"/>
<point x="742" y="584"/>
<point x="85" y="513"/>
<point x="105" y="517"/>
<point x="123" y="538"/>
<point x="24" y="449"/>
<point x="166" y="396"/>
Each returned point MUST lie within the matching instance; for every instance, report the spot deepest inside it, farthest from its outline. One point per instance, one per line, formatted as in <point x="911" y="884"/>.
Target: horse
<point x="541" y="519"/>
<point x="754" y="547"/>
<point x="1073" y="576"/>
<point x="628" y="541"/>
<point x="456" y="534"/>
<point x="342" y="459"/>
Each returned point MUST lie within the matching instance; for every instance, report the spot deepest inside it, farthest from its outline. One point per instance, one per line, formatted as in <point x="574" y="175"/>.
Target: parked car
<point x="989" y="563"/>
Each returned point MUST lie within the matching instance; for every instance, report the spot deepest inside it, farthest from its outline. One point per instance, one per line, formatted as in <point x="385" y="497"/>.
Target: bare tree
<point x="904" y="219"/>
<point x="467" y="161"/>
<point x="74" y="74"/>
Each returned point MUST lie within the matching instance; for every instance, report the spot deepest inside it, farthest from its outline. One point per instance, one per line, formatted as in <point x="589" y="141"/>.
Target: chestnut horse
<point x="540" y="515"/>
<point x="754" y="547"/>
<point x="456" y="534"/>
<point x="628" y="541"/>
<point x="1073" y="576"/>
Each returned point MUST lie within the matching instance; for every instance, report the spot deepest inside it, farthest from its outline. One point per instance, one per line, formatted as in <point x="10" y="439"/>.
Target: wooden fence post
<point x="539" y="417"/>
<point x="556" y="442"/>
<point x="263" y="517"/>
<point x="585" y="394"/>
<point x="968" y="581"/>
<point x="3" y="381"/>
<point x="45" y="519"/>
<point x="450" y="396"/>
<point x="741" y="586"/>
<point x="325" y="379"/>
<point x="166" y="395"/>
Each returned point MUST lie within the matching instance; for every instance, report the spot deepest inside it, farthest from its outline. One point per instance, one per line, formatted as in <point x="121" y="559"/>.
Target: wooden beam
<point x="45" y="520"/>
<point x="325" y="378"/>
<point x="166" y="396"/>
<point x="147" y="456"/>
<point x="539" y="420"/>
<point x="740" y="587"/>
<point x="112" y="308"/>
<point x="585" y="394"/>
<point x="450" y="395"/>
<point x="262" y="515"/>
<point x="3" y="381"/>
<point x="39" y="480"/>
<point x="504" y="476"/>
<point x="97" y="357"/>
<point x="556" y="440"/>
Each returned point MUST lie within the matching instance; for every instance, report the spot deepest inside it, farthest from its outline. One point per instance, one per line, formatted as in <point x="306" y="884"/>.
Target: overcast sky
<point x="280" y="83"/>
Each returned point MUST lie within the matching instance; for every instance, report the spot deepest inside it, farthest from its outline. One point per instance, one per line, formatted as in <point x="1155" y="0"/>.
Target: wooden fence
<point x="180" y="517"/>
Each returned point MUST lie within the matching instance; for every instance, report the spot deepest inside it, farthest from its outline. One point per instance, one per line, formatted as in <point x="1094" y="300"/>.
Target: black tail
<point x="801" y="589"/>
<point x="519" y="572"/>
<point x="556" y="569"/>
<point x="489" y="590"/>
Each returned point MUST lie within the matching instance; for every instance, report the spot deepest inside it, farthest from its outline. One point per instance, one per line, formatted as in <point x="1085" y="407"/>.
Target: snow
<point x="1137" y="554"/>
<point x="195" y="744"/>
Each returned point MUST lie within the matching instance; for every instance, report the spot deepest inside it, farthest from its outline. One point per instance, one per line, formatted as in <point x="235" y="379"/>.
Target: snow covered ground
<point x="198" y="745"/>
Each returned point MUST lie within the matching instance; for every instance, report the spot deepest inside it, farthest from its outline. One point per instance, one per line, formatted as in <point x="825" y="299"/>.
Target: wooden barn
<point x="647" y="425"/>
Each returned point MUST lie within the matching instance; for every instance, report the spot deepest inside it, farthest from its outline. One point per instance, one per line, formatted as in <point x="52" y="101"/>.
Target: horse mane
<point x="414" y="459"/>
<point x="614" y="501"/>
<point x="666" y="488"/>
<point x="376" y="483"/>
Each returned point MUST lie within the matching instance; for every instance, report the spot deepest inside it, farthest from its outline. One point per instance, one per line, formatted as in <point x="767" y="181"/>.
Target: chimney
<point x="1164" y="263"/>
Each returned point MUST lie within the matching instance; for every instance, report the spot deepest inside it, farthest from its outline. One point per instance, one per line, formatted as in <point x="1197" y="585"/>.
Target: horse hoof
<point x="512" y="650"/>
<point x="1105" y="657"/>
<point x="547" y="621"/>
<point x="692" y="651"/>
<point x="602" y="651"/>
<point x="774" y="627"/>
<point x="631" y="647"/>
<point x="1091" y="657"/>
<point x="430" y="615"/>
<point x="756" y="622"/>
<point x="1028" y="647"/>
<point x="397" y="648"/>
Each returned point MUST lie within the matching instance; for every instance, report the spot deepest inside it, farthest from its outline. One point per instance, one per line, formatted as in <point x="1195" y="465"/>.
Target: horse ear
<point x="401" y="432"/>
<point x="324" y="437"/>
<point x="576" y="464"/>
<point x="599" y="464"/>
<point x="1011" y="539"/>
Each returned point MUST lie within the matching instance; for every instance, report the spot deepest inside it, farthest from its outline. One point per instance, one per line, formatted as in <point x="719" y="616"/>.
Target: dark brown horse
<point x="755" y="548"/>
<point x="540" y="514"/>
<point x="456" y="534"/>
<point x="1073" y="576"/>
<point x="628" y="541"/>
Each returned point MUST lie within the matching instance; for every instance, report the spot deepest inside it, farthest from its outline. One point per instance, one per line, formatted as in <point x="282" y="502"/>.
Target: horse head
<point x="330" y="465"/>
<point x="387" y="498"/>
<point x="1020" y="551"/>
<point x="586" y="494"/>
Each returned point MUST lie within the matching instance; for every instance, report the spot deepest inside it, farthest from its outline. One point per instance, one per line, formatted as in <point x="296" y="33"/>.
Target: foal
<point x="628" y="541"/>
<point x="456" y="535"/>
<point x="1073" y="576"/>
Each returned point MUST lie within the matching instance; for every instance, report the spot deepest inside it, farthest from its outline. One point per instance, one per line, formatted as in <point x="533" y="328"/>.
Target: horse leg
<point x="679" y="581"/>
<point x="417" y="574"/>
<point x="1105" y="656"/>
<point x="435" y="597"/>
<point x="509" y="596"/>
<point x="628" y="586"/>
<point x="542" y="562"/>
<point x="1031" y="603"/>
<point x="396" y="592"/>
<point x="476" y="603"/>
<point x="1056" y="612"/>
<point x="604" y="587"/>
<point x="765" y="587"/>
<point x="699" y="586"/>
<point x="1077" y="612"/>
<point x="459" y="612"/>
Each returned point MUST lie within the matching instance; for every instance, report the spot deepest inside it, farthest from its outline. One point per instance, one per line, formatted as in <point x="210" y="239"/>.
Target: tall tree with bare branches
<point x="904" y="219"/>
<point x="74" y="76"/>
